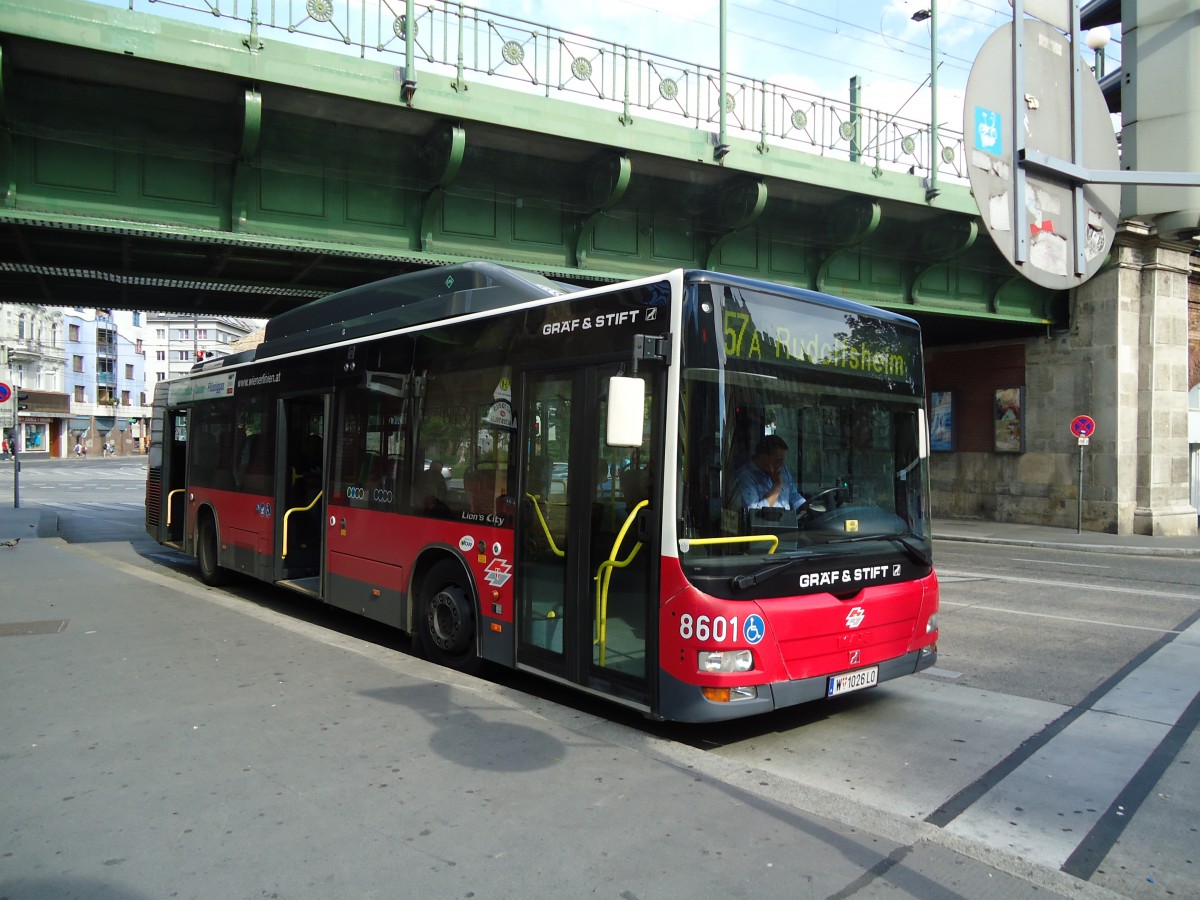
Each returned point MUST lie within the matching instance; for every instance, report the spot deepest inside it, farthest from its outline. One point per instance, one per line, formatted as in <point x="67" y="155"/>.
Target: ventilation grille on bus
<point x="153" y="496"/>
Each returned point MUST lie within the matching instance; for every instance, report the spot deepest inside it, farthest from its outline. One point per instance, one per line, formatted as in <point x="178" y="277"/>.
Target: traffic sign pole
<point x="1079" y="514"/>
<point x="14" y="394"/>
<point x="1083" y="427"/>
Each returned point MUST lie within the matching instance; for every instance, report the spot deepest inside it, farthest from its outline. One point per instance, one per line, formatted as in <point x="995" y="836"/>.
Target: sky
<point x="810" y="45"/>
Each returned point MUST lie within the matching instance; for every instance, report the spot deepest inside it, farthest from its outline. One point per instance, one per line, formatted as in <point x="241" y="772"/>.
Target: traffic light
<point x="202" y="355"/>
<point x="22" y="400"/>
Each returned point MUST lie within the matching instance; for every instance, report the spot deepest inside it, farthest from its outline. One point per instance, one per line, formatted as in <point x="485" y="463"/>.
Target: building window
<point x="160" y="334"/>
<point x="162" y="376"/>
<point x="137" y="318"/>
<point x="183" y="356"/>
<point x="129" y="371"/>
<point x="160" y="355"/>
<point x="202" y="334"/>
<point x="80" y="397"/>
<point x="76" y="363"/>
<point x="184" y="334"/>
<point x="124" y="398"/>
<point x="137" y="347"/>
<point x="142" y="399"/>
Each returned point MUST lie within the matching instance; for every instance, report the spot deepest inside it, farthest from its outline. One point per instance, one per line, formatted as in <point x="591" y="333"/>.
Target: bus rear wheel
<point x="447" y="620"/>
<point x="211" y="572"/>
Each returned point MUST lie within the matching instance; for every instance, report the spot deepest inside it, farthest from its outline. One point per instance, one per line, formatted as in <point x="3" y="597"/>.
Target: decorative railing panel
<point x="468" y="40"/>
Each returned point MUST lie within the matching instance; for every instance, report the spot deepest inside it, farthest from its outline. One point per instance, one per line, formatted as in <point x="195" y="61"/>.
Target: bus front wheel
<point x="211" y="572"/>
<point x="447" y="620"/>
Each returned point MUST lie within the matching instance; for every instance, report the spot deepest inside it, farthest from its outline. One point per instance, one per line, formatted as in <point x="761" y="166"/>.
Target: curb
<point x="1178" y="552"/>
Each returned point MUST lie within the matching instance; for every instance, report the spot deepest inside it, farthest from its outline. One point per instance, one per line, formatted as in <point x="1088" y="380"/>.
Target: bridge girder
<point x="153" y="164"/>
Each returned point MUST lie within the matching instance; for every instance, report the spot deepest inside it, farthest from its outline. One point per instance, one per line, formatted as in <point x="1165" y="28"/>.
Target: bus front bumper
<point x="682" y="702"/>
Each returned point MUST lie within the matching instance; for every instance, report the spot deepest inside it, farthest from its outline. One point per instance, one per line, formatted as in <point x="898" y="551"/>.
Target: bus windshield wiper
<point x="741" y="582"/>
<point x="915" y="553"/>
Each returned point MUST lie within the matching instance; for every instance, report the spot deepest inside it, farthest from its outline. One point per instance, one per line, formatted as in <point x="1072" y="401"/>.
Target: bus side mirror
<point x="626" y="407"/>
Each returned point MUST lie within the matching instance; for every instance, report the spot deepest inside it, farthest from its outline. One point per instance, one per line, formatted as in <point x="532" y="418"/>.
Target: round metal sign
<point x="1083" y="426"/>
<point x="5" y="392"/>
<point x="1048" y="246"/>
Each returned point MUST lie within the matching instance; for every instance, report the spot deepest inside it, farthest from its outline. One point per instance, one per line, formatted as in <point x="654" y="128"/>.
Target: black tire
<point x="211" y="572"/>
<point x="446" y="618"/>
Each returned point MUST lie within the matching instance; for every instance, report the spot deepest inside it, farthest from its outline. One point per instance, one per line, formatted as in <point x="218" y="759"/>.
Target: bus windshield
<point x="802" y="442"/>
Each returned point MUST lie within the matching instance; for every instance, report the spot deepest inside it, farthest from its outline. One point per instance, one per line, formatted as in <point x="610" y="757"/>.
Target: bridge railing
<point x="467" y="42"/>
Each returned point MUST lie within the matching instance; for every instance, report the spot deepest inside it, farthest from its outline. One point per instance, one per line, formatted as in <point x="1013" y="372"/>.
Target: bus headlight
<point x="725" y="661"/>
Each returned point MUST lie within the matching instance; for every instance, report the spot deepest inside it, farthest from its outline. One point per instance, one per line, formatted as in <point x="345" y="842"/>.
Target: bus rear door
<point x="166" y="496"/>
<point x="587" y="573"/>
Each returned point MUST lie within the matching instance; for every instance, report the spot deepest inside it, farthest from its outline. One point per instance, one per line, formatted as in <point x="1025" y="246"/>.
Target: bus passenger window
<point x="369" y="450"/>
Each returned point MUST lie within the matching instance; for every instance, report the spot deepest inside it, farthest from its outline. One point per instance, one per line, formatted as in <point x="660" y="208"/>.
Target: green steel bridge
<point x="245" y="156"/>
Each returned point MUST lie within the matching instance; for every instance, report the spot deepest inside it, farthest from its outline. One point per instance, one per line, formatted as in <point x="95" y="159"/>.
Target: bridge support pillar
<point x="1136" y="314"/>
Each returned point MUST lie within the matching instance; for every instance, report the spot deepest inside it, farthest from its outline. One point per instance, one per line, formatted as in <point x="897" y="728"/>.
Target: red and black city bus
<point x="563" y="480"/>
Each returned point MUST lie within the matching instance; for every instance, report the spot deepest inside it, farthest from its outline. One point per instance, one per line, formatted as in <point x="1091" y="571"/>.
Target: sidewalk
<point x="41" y="460"/>
<point x="984" y="532"/>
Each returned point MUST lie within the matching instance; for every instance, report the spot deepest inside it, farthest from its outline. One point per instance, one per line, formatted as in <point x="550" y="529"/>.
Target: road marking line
<point x="1044" y="808"/>
<point x="1037" y="615"/>
<point x="1141" y="592"/>
<point x="1049" y="563"/>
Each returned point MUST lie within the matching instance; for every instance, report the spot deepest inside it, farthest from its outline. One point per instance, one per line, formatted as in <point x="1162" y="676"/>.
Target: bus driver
<point x="765" y="482"/>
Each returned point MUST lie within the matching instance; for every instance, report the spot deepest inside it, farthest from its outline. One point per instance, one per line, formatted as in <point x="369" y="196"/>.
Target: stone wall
<point x="1124" y="362"/>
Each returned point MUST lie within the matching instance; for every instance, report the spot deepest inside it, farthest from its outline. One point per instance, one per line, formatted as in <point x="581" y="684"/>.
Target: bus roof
<point x="430" y="295"/>
<point x="704" y="276"/>
<point x="410" y="299"/>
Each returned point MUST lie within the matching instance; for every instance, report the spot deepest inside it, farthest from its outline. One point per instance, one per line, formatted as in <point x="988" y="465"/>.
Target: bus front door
<point x="299" y="492"/>
<point x="586" y="577"/>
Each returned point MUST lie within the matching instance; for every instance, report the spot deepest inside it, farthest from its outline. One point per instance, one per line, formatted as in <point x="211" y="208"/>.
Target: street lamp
<point x="1097" y="39"/>
<point x="931" y="188"/>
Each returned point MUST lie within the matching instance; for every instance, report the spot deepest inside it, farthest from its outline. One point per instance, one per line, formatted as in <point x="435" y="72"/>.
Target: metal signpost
<point x="10" y="434"/>
<point x="1083" y="427"/>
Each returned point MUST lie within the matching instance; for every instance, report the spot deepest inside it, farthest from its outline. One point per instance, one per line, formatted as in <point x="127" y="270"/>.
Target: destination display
<point x="763" y="328"/>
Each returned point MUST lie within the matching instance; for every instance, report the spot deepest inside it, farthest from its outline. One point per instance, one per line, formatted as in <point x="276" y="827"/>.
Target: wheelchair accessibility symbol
<point x="754" y="629"/>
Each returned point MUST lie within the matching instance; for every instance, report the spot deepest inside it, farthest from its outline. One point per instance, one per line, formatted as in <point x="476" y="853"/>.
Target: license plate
<point x="852" y="681"/>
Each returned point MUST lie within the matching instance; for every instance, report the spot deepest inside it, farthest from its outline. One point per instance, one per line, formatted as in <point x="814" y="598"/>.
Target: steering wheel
<point x="826" y="499"/>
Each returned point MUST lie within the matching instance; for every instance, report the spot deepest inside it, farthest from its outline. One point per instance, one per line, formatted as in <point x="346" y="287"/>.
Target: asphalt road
<point x="1059" y="726"/>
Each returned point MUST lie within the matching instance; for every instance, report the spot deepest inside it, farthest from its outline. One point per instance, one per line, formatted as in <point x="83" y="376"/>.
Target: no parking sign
<point x="5" y="392"/>
<point x="1083" y="427"/>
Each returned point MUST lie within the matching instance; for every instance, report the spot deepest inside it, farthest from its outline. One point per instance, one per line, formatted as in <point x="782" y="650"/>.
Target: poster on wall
<point x="941" y="420"/>
<point x="1009" y="420"/>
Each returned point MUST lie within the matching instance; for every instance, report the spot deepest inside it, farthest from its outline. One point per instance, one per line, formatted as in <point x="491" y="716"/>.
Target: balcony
<point x="25" y="350"/>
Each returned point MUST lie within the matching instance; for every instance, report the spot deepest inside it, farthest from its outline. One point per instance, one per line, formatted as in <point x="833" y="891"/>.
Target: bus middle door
<point x="586" y="604"/>
<point x="300" y="492"/>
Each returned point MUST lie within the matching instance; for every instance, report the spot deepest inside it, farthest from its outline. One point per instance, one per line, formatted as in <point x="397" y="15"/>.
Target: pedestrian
<point x="4" y="452"/>
<point x="78" y="449"/>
